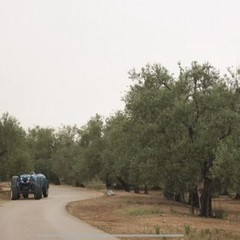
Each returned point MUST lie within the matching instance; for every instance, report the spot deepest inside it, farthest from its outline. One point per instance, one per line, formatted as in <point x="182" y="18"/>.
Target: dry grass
<point x="4" y="191"/>
<point x="5" y="186"/>
<point x="129" y="213"/>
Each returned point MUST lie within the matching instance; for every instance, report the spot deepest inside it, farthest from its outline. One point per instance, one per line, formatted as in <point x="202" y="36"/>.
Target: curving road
<point x="47" y="219"/>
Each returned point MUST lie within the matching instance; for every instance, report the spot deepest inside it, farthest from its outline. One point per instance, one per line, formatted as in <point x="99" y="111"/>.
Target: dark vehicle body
<point x="32" y="183"/>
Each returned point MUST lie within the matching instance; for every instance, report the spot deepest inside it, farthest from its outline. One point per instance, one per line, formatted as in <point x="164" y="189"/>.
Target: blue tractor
<point x="32" y="183"/>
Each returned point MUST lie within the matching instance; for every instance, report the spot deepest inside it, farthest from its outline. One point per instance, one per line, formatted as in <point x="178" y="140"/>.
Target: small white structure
<point x="110" y="192"/>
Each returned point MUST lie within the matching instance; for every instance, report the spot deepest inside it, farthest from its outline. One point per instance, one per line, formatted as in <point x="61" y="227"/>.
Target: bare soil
<point x="129" y="213"/>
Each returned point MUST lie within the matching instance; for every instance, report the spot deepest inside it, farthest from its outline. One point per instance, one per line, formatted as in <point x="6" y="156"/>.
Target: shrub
<point x="220" y="213"/>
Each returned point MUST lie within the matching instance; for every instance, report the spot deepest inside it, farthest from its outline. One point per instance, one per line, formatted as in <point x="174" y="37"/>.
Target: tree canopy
<point x="180" y="134"/>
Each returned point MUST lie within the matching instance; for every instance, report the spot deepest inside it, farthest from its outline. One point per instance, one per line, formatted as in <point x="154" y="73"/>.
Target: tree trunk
<point x="136" y="189"/>
<point x="237" y="196"/>
<point x="145" y="189"/>
<point x="56" y="180"/>
<point x="206" y="199"/>
<point x="193" y="199"/>
<point x="179" y="197"/>
<point x="168" y="195"/>
<point x="125" y="185"/>
<point x="108" y="182"/>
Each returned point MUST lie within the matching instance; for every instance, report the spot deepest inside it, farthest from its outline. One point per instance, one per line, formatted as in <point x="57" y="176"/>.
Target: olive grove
<point x="179" y="134"/>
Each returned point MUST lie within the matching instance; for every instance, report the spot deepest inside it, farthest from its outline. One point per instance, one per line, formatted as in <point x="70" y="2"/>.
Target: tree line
<point x="179" y="134"/>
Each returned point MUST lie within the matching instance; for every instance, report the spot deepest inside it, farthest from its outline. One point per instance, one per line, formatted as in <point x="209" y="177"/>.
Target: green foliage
<point x="14" y="155"/>
<point x="173" y="133"/>
<point x="117" y="144"/>
<point x="41" y="145"/>
<point x="157" y="229"/>
<point x="187" y="229"/>
<point x="64" y="155"/>
<point x="90" y="149"/>
<point x="220" y="213"/>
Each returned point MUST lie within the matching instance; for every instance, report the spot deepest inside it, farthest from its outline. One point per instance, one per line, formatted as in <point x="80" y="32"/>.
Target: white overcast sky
<point x="63" y="61"/>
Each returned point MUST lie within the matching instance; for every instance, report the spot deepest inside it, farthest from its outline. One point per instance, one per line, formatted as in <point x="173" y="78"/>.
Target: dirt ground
<point x="129" y="213"/>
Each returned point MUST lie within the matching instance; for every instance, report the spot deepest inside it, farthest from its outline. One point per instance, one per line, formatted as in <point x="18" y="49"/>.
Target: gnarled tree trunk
<point x="108" y="182"/>
<point x="206" y="199"/>
<point x="237" y="196"/>
<point x="193" y="199"/>
<point x="136" y="189"/>
<point x="145" y="189"/>
<point x="124" y="184"/>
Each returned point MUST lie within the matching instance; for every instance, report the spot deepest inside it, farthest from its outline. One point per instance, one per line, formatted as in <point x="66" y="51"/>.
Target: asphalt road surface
<point x="47" y="219"/>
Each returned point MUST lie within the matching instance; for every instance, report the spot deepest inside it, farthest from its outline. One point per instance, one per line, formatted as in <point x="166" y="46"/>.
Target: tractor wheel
<point x="14" y="189"/>
<point x="38" y="189"/>
<point x="45" y="192"/>
<point x="14" y="194"/>
<point x="45" y="189"/>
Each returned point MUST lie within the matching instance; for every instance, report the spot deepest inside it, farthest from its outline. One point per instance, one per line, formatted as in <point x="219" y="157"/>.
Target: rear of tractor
<point x="26" y="184"/>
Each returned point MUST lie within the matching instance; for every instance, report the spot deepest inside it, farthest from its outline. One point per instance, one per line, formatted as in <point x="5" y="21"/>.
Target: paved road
<point x="47" y="219"/>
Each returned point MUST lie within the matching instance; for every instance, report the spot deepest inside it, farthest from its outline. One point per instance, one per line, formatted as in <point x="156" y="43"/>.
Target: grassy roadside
<point x="129" y="213"/>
